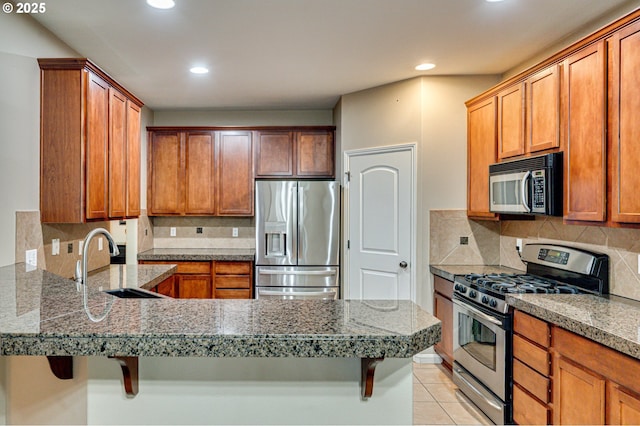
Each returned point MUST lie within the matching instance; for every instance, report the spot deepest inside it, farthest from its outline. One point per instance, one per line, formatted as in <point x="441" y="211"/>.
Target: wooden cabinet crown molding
<point x="560" y="56"/>
<point x="85" y="63"/>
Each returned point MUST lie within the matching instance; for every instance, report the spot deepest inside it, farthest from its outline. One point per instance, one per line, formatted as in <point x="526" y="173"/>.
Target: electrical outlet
<point x="234" y="232"/>
<point x="100" y="244"/>
<point x="199" y="230"/>
<point x="519" y="244"/>
<point x="172" y="231"/>
<point x="31" y="257"/>
<point x="146" y="232"/>
<point x="80" y="247"/>
<point x="70" y="248"/>
<point x="464" y="241"/>
<point x="55" y="247"/>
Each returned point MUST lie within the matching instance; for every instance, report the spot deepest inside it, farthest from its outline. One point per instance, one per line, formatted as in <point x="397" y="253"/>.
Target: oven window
<point x="506" y="193"/>
<point x="477" y="340"/>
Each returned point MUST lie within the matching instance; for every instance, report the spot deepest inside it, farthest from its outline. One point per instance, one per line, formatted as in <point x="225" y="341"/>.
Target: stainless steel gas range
<point x="482" y="332"/>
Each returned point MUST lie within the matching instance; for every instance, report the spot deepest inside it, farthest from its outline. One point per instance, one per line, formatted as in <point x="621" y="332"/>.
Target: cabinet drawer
<point x="531" y="380"/>
<point x="232" y="282"/>
<point x="194" y="268"/>
<point x="232" y="268"/>
<point x="233" y="294"/>
<point x="528" y="410"/>
<point x="532" y="328"/>
<point x="532" y="355"/>
<point x="442" y="286"/>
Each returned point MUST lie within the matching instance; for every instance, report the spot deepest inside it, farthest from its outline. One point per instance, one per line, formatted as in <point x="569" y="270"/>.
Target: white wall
<point x="429" y="111"/>
<point x="22" y="40"/>
<point x="243" y="117"/>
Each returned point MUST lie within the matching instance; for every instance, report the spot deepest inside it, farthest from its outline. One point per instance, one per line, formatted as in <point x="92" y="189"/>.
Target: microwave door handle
<point x="523" y="192"/>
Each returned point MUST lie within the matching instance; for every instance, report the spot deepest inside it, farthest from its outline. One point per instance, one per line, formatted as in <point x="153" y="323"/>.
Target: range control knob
<point x="485" y="299"/>
<point x="493" y="303"/>
<point x="457" y="287"/>
<point x="472" y="293"/>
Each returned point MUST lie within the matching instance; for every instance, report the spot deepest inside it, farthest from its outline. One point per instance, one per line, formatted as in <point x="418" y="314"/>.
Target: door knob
<point x="403" y="264"/>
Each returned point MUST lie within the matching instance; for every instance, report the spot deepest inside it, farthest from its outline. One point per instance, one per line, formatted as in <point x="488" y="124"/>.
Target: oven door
<point x="480" y="345"/>
<point x="510" y="192"/>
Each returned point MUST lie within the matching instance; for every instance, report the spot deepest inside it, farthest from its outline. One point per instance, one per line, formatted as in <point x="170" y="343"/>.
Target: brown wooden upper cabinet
<point x="89" y="144"/>
<point x="481" y="152"/>
<point x="529" y="115"/>
<point x="584" y="94"/>
<point x="624" y="104"/>
<point x="295" y="153"/>
<point x="200" y="173"/>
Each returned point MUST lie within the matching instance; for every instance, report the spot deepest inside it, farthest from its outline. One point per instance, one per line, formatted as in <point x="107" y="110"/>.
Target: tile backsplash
<point x="495" y="243"/>
<point x="32" y="234"/>
<point x="216" y="232"/>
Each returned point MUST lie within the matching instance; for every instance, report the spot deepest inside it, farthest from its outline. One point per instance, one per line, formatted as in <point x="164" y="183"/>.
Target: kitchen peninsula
<point x="204" y="361"/>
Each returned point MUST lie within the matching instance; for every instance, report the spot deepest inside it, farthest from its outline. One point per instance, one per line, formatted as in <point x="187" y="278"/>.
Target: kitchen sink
<point x="132" y="293"/>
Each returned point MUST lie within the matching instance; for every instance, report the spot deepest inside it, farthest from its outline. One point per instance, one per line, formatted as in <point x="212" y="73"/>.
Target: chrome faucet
<point x="81" y="273"/>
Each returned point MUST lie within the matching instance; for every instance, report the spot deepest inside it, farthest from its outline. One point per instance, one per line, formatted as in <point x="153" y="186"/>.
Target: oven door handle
<point x="478" y="313"/>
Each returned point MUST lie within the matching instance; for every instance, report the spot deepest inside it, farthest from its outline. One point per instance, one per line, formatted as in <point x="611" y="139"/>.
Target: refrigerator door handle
<point x="273" y="272"/>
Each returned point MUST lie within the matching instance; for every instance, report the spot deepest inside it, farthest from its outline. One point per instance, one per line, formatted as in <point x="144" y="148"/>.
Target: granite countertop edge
<point x="298" y="346"/>
<point x="197" y="255"/>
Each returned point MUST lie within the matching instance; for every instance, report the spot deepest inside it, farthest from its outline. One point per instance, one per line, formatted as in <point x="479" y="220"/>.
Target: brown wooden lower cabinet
<point x="443" y="310"/>
<point x="207" y="280"/>
<point x="590" y="383"/>
<point x="167" y="287"/>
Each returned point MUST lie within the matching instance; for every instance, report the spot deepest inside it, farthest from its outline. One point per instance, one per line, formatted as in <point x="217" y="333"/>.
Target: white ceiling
<point x="282" y="54"/>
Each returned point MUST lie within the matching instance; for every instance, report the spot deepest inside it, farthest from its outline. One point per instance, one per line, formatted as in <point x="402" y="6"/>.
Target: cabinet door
<point x="274" y="154"/>
<point x="314" y="154"/>
<point x="117" y="154"/>
<point x="444" y="312"/>
<point x="511" y="121"/>
<point x="200" y="173"/>
<point x="166" y="174"/>
<point x="167" y="287"/>
<point x="543" y="110"/>
<point x="235" y="174"/>
<point x="97" y="143"/>
<point x="133" y="160"/>
<point x="481" y="152"/>
<point x="584" y="117"/>
<point x="623" y="406"/>
<point x="624" y="57"/>
<point x="578" y="395"/>
<point x="194" y="287"/>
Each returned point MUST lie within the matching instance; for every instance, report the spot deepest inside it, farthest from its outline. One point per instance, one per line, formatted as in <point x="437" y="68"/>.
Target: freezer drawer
<point x="297" y="293"/>
<point x="318" y="276"/>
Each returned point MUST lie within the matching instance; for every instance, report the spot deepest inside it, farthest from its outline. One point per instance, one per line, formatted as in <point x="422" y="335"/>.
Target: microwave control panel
<point x="538" y="191"/>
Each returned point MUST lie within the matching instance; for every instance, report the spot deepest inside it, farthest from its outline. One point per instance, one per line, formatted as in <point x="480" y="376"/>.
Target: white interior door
<point x="380" y="220"/>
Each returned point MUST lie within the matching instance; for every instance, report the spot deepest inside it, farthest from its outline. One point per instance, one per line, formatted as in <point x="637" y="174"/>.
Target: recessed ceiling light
<point x="425" y="67"/>
<point x="199" y="70"/>
<point x="493" y="1"/>
<point x="161" y="4"/>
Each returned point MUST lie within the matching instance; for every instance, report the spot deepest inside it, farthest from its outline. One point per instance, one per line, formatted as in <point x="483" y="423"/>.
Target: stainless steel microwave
<point x="531" y="185"/>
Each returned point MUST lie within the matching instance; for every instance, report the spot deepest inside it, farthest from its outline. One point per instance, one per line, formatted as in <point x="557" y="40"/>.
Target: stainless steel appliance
<point x="482" y="333"/>
<point x="528" y="186"/>
<point x="297" y="239"/>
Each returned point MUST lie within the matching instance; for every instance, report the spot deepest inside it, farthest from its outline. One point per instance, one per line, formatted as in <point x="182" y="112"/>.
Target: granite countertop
<point x="612" y="321"/>
<point x="448" y="272"/>
<point x="198" y="254"/>
<point x="43" y="314"/>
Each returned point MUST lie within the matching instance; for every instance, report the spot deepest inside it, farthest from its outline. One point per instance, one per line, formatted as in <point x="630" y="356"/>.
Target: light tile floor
<point x="437" y="402"/>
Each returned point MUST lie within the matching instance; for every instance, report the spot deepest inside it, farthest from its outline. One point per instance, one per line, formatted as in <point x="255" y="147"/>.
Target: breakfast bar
<point x="220" y="361"/>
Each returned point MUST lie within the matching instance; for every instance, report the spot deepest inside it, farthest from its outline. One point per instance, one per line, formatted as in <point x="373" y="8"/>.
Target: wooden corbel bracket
<point x="61" y="366"/>
<point x="367" y="370"/>
<point x="129" y="366"/>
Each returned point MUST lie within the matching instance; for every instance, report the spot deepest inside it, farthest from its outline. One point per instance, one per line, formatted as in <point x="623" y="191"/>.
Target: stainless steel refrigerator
<point x="297" y="239"/>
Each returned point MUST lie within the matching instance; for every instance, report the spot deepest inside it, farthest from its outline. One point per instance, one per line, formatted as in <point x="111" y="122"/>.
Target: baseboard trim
<point x="423" y="358"/>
